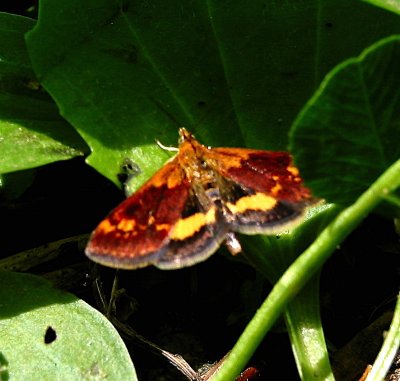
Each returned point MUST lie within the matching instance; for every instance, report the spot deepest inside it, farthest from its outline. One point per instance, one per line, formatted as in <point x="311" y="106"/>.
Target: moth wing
<point x="261" y="191"/>
<point x="136" y="232"/>
<point x="163" y="224"/>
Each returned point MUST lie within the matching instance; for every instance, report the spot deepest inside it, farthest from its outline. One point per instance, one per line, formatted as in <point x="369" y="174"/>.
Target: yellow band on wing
<point x="258" y="201"/>
<point x="186" y="227"/>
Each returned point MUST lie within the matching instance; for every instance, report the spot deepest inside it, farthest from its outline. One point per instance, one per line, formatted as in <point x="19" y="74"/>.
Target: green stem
<point x="389" y="349"/>
<point x="303" y="323"/>
<point x="303" y="269"/>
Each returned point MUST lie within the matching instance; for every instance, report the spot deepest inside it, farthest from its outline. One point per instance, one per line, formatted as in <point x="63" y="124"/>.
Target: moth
<point x="198" y="200"/>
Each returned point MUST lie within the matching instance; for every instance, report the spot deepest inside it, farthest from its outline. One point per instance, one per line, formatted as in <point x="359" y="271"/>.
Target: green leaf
<point x="349" y="131"/>
<point x="29" y="144"/>
<point x="125" y="73"/>
<point x="53" y="335"/>
<point x="390" y="5"/>
<point x="31" y="131"/>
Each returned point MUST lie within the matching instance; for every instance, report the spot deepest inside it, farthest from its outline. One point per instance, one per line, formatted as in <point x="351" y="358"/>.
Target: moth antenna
<point x="166" y="148"/>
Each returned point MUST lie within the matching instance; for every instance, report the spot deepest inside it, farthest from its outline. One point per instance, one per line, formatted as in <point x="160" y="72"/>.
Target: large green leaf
<point x="349" y="132"/>
<point x="50" y="335"/>
<point x="32" y="133"/>
<point x="127" y="72"/>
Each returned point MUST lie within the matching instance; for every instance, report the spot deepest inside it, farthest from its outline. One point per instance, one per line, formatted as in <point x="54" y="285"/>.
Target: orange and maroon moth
<point x="196" y="202"/>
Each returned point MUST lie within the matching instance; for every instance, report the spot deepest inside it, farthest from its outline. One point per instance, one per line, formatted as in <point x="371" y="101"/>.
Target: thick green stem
<point x="306" y="334"/>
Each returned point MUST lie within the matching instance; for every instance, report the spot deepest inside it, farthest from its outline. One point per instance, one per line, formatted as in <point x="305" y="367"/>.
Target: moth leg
<point x="232" y="244"/>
